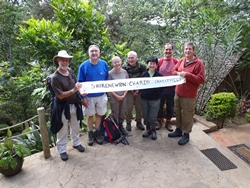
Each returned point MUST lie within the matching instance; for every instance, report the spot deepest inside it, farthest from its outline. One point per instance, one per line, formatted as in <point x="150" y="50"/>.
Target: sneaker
<point x="128" y="127"/>
<point x="147" y="133"/>
<point x="98" y="137"/>
<point x="176" y="133"/>
<point x="64" y="156"/>
<point x="80" y="148"/>
<point x="140" y="126"/>
<point x="154" y="135"/>
<point x="90" y="138"/>
<point x="184" y="139"/>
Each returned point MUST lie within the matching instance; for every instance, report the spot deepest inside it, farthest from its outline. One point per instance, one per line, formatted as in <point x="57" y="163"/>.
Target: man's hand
<point x="136" y="92"/>
<point x="85" y="102"/>
<point x="182" y="74"/>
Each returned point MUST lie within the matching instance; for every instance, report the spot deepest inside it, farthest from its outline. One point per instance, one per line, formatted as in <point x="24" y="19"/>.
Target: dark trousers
<point x="149" y="112"/>
<point x="169" y="100"/>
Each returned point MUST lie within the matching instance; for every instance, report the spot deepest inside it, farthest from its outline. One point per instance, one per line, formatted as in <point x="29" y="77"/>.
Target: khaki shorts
<point x="97" y="105"/>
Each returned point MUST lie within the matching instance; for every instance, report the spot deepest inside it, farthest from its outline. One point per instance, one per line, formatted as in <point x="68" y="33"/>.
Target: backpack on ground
<point x="111" y="131"/>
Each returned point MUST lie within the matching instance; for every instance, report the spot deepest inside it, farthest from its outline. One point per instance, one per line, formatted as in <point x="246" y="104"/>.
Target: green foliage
<point x="3" y="132"/>
<point x="8" y="150"/>
<point x="10" y="17"/>
<point x="33" y="139"/>
<point x="135" y="24"/>
<point x="248" y="116"/>
<point x="17" y="99"/>
<point x="221" y="106"/>
<point x="239" y="10"/>
<point x="75" y="26"/>
<point x="38" y="8"/>
<point x="43" y="38"/>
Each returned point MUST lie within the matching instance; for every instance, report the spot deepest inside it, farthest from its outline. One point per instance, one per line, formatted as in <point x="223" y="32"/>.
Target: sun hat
<point x="62" y="54"/>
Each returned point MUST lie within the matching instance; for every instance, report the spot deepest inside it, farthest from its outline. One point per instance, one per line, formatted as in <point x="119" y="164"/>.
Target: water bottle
<point x="105" y="134"/>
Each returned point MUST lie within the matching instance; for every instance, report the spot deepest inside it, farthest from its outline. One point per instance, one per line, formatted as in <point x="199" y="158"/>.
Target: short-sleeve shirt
<point x="118" y="75"/>
<point x="61" y="83"/>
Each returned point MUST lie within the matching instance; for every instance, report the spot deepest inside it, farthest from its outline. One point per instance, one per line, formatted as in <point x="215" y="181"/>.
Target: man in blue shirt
<point x="94" y="69"/>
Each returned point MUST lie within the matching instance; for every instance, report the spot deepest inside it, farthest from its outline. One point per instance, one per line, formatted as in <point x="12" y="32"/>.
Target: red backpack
<point x="112" y="132"/>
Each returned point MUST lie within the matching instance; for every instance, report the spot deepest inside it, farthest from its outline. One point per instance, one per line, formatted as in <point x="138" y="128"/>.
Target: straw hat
<point x="62" y="54"/>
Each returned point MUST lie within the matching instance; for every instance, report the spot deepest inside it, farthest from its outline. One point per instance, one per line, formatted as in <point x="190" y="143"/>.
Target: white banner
<point x="130" y="84"/>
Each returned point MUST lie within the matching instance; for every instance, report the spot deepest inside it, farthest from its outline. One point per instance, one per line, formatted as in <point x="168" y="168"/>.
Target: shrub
<point x="221" y="106"/>
<point x="248" y="116"/>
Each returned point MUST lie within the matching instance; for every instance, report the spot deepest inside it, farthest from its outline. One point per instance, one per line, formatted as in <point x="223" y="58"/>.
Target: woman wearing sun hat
<point x="67" y="107"/>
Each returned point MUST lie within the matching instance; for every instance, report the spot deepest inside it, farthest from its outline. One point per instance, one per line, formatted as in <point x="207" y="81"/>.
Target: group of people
<point x="152" y="105"/>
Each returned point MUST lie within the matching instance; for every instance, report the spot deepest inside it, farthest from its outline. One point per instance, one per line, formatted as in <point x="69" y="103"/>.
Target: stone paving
<point x="144" y="163"/>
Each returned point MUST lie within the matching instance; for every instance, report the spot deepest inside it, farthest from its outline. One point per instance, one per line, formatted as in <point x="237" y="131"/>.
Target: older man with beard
<point x="67" y="108"/>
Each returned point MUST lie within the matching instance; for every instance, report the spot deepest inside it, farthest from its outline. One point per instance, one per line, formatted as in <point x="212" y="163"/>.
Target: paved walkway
<point x="144" y="163"/>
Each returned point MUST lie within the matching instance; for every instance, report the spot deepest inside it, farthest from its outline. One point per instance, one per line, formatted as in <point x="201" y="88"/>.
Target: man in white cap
<point x="67" y="106"/>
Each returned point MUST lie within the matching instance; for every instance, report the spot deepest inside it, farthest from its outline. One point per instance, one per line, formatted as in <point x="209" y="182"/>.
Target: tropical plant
<point x="32" y="138"/>
<point x="9" y="151"/>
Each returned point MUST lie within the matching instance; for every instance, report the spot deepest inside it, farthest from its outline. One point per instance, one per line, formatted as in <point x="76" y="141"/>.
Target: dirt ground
<point x="237" y="120"/>
<point x="235" y="131"/>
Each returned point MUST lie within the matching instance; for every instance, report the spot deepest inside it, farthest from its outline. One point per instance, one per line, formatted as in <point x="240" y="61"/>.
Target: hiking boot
<point x="184" y="139"/>
<point x="123" y="131"/>
<point x="90" y="138"/>
<point x="153" y="136"/>
<point x="98" y="138"/>
<point x="168" y="126"/>
<point x="160" y="120"/>
<point x="176" y="133"/>
<point x="140" y="126"/>
<point x="147" y="132"/>
<point x="64" y="156"/>
<point x="80" y="148"/>
<point x="128" y="127"/>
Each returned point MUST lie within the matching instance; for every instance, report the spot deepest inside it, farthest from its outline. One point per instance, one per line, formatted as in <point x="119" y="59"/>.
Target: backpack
<point x="52" y="93"/>
<point x="111" y="131"/>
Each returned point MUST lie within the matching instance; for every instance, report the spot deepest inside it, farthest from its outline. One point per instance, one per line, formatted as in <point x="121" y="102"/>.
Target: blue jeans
<point x="149" y="112"/>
